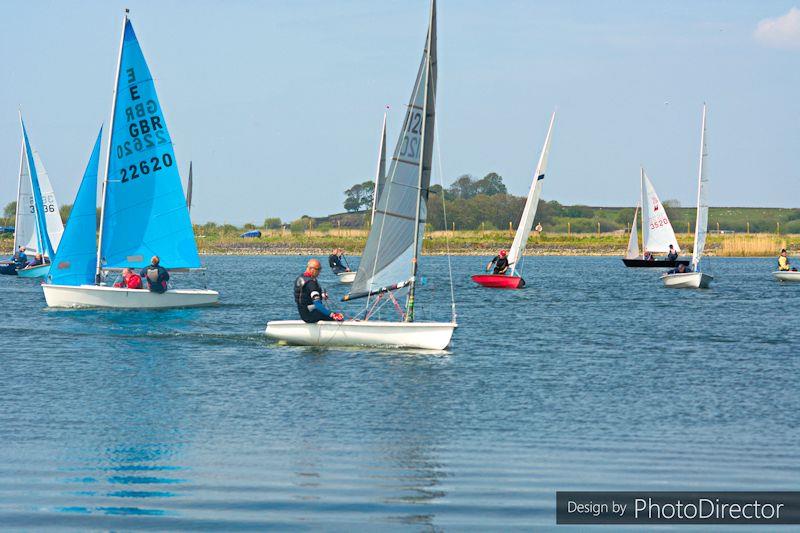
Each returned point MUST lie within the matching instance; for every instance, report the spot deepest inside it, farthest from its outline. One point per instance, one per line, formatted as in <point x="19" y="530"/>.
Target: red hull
<point x="499" y="281"/>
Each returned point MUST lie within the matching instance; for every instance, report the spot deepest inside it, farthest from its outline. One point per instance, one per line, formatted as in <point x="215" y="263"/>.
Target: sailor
<point x="156" y="276"/>
<point x="672" y="255"/>
<point x="36" y="261"/>
<point x="680" y="269"/>
<point x="335" y="261"/>
<point x="309" y="296"/>
<point x="21" y="258"/>
<point x="130" y="280"/>
<point x="783" y="262"/>
<point x="500" y="263"/>
<point x="648" y="256"/>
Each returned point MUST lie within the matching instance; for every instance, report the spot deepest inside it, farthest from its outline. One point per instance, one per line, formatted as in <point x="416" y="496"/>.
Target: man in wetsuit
<point x="500" y="263"/>
<point x="335" y="261"/>
<point x="21" y="258"/>
<point x="672" y="255"/>
<point x="156" y="276"/>
<point x="308" y="296"/>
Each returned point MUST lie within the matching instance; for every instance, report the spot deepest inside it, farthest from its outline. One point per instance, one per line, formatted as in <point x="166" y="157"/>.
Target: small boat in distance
<point x="514" y="280"/>
<point x="391" y="256"/>
<point x="694" y="278"/>
<point x="143" y="211"/>
<point x="38" y="226"/>
<point x="380" y="175"/>
<point x="657" y="232"/>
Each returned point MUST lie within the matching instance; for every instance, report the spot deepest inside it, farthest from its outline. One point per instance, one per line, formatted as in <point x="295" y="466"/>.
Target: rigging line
<point x="444" y="209"/>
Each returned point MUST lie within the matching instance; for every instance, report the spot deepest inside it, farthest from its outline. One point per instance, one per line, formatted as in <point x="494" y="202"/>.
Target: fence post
<point x="454" y="229"/>
<point x="779" y="228"/>
<point x="569" y="229"/>
<point x="717" y="227"/>
<point x="748" y="227"/>
<point x="598" y="229"/>
<point x="688" y="228"/>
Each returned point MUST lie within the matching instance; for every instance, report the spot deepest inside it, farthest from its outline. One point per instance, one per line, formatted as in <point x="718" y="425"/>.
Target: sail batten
<point x="145" y="210"/>
<point x="531" y="204"/>
<point x="395" y="237"/>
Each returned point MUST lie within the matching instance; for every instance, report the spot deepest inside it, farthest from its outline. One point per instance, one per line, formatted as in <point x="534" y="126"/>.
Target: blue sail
<point x="45" y="245"/>
<point x="144" y="212"/>
<point x="74" y="263"/>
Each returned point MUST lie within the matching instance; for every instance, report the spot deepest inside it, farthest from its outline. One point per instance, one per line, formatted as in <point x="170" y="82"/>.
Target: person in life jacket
<point x="21" y="258"/>
<point x="36" y="261"/>
<point x="130" y="280"/>
<point x="672" y="255"/>
<point x="783" y="262"/>
<point x="308" y="296"/>
<point x="156" y="276"/>
<point x="336" y="261"/>
<point x="500" y="263"/>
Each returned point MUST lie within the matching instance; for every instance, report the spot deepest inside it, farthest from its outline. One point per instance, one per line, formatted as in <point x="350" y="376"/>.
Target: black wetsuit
<point x="157" y="278"/>
<point x="335" y="262"/>
<point x="500" y="264"/>
<point x="672" y="256"/>
<point x="308" y="297"/>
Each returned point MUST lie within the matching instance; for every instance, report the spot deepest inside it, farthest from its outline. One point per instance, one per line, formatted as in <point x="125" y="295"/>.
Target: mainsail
<point x="380" y="172"/>
<point x="657" y="232"/>
<point x="52" y="216"/>
<point x="701" y="224"/>
<point x="529" y="213"/>
<point x="633" y="240"/>
<point x="144" y="206"/>
<point x="395" y="238"/>
<point x="74" y="263"/>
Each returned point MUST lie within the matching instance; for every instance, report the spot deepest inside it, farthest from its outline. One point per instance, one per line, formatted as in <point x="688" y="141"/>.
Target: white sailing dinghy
<point x="144" y="210"/>
<point x="514" y="279"/>
<point x="391" y="257"/>
<point x="380" y="176"/>
<point x="38" y="226"/>
<point x="696" y="279"/>
<point x="657" y="232"/>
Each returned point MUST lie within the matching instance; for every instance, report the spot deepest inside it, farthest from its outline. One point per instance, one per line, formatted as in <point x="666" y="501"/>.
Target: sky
<point x="279" y="103"/>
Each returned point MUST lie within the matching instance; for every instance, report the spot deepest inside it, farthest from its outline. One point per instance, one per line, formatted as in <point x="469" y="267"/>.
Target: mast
<point x="695" y="251"/>
<point x="380" y="172"/>
<point x="189" y="190"/>
<point x="427" y="142"/>
<point x="108" y="152"/>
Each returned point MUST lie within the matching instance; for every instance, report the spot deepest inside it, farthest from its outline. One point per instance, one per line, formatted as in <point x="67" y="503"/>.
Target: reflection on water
<point x="594" y="377"/>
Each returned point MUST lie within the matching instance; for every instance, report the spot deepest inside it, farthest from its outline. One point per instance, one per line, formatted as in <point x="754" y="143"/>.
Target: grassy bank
<point x="284" y="242"/>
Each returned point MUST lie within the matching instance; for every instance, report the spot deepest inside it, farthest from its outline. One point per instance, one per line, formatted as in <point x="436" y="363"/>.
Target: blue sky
<point x="279" y="104"/>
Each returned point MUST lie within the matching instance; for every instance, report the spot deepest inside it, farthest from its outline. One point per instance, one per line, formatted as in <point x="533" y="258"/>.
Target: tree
<point x="464" y="187"/>
<point x="272" y="223"/>
<point x="358" y="196"/>
<point x="490" y="185"/>
<point x="367" y="194"/>
<point x="64" y="211"/>
<point x="10" y="210"/>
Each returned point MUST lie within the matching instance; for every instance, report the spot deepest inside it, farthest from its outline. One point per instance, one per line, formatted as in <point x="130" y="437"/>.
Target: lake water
<point x="594" y="377"/>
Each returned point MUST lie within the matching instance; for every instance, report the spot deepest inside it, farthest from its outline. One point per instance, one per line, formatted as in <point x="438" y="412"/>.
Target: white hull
<point x="346" y="277"/>
<point x="422" y="335"/>
<point x="687" y="280"/>
<point x="786" y="275"/>
<point x="115" y="298"/>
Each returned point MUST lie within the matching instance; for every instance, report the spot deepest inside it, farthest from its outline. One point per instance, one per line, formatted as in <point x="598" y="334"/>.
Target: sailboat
<point x="143" y="210"/>
<point x="514" y="280"/>
<point x="657" y="232"/>
<point x="380" y="175"/>
<point x="695" y="278"/>
<point x="38" y="225"/>
<point x="392" y="254"/>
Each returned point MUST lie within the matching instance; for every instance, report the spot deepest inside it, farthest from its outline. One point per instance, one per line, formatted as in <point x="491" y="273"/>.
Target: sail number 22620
<point x="154" y="164"/>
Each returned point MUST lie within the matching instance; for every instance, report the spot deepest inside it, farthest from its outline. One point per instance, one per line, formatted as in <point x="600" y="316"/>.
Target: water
<point x="594" y="377"/>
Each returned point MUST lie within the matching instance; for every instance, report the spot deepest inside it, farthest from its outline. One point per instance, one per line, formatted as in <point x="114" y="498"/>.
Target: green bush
<point x="272" y="223"/>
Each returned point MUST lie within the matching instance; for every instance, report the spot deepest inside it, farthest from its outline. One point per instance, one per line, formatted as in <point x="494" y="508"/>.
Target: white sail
<point x="380" y="172"/>
<point x="529" y="213"/>
<point x="55" y="227"/>
<point x="25" y="222"/>
<point x="657" y="232"/>
<point x="701" y="224"/>
<point x="633" y="240"/>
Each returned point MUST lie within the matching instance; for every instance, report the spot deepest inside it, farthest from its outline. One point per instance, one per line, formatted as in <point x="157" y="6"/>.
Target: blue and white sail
<point x="43" y="244"/>
<point x="74" y="263"/>
<point x="144" y="206"/>
<point x="395" y="238"/>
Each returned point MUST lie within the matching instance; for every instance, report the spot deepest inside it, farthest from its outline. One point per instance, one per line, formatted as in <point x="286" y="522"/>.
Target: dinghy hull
<point x="346" y="277"/>
<point x="687" y="280"/>
<point x="786" y="275"/>
<point x="118" y="298"/>
<point x="34" y="272"/>
<point x="499" y="281"/>
<point x="641" y="263"/>
<point x="8" y="269"/>
<point x="420" y="335"/>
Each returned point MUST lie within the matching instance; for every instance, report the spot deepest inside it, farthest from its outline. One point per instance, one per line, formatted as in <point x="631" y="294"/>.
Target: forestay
<point x="633" y="240"/>
<point x="657" y="232"/>
<point x="390" y="251"/>
<point x="529" y="212"/>
<point x="74" y="263"/>
<point x="144" y="207"/>
<point x="701" y="224"/>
